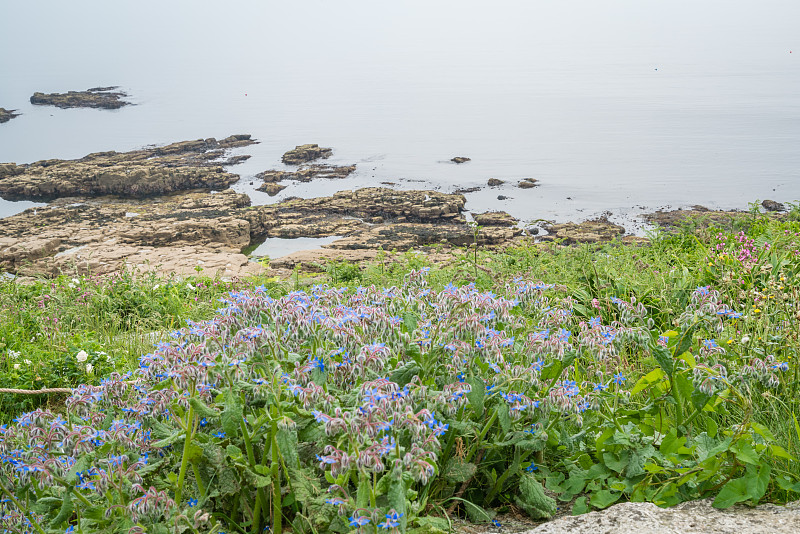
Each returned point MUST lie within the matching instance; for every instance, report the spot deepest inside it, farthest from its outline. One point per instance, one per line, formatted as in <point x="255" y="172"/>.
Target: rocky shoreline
<point x="170" y="209"/>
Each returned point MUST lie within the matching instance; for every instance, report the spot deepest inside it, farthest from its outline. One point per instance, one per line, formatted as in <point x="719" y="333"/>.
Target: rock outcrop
<point x="495" y="218"/>
<point x="494" y="182"/>
<point x="306" y="173"/>
<point x="596" y="231"/>
<point x="528" y="183"/>
<point x="772" y="205"/>
<point x="305" y="153"/>
<point x="96" y="97"/>
<point x="7" y="114"/>
<point x="171" y="232"/>
<point x="697" y="517"/>
<point x="460" y="159"/>
<point x="136" y="174"/>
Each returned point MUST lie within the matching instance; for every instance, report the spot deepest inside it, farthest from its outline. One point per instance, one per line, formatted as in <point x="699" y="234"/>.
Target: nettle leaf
<point x="458" y="470"/>
<point x="287" y="445"/>
<point x="232" y="415"/>
<point x="397" y="495"/>
<point x="504" y="417"/>
<point x="202" y="409"/>
<point x="476" y="396"/>
<point x="533" y="499"/>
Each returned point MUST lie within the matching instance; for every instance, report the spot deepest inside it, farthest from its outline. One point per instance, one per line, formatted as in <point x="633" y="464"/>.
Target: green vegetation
<point x="534" y="378"/>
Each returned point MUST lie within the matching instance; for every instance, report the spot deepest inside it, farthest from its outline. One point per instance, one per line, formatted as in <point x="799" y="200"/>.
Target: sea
<point x="616" y="107"/>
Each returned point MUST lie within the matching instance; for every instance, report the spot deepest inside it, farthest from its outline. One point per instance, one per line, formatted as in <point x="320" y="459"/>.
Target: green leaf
<point x="684" y="341"/>
<point x="438" y="523"/>
<point x="653" y="377"/>
<point x="708" y="447"/>
<point x="533" y="499"/>
<point x="673" y="444"/>
<point x="232" y="415"/>
<point x="458" y="470"/>
<point x="616" y="462"/>
<point x="604" y="498"/>
<point x="397" y="495"/>
<point x="287" y="445"/>
<point x="552" y="370"/>
<point x="64" y="513"/>
<point x="174" y="438"/>
<point x="580" y="506"/>
<point x="732" y="492"/>
<point x="410" y="322"/>
<point x="403" y="374"/>
<point x="745" y="453"/>
<point x="201" y="408"/>
<point x="477" y="394"/>
<point x="504" y="417"/>
<point x="663" y="358"/>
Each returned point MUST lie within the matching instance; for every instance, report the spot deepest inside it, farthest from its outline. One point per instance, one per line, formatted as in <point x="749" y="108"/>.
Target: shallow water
<point x="620" y="105"/>
<point x="275" y="247"/>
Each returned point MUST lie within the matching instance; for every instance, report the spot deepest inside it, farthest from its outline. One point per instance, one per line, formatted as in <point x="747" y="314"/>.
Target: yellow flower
<point x="710" y="263"/>
<point x="756" y="310"/>
<point x="730" y="341"/>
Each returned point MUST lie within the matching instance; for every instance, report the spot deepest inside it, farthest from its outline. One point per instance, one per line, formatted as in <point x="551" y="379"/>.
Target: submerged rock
<point x="697" y="517"/>
<point x="460" y="159"/>
<point x="140" y="173"/>
<point x="306" y="173"/>
<point x="96" y="97"/>
<point x="271" y="188"/>
<point x="305" y="153"/>
<point x="7" y="114"/>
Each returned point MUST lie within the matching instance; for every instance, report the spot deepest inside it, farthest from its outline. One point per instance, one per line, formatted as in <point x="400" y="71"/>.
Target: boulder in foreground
<point x="697" y="517"/>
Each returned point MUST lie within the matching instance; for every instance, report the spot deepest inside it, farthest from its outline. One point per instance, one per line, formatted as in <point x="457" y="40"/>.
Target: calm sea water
<point x="618" y="105"/>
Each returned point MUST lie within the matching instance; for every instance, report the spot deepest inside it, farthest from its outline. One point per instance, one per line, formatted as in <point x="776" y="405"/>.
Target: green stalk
<point x="277" y="507"/>
<point x="185" y="458"/>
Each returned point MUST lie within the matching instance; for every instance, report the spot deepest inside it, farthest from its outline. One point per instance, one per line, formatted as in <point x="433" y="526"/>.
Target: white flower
<point x="89" y="367"/>
<point x="189" y="286"/>
<point x="745" y="339"/>
<point x="76" y="281"/>
<point x="82" y="356"/>
<point x="16" y="366"/>
<point x="13" y="354"/>
<point x="27" y="361"/>
<point x="156" y="287"/>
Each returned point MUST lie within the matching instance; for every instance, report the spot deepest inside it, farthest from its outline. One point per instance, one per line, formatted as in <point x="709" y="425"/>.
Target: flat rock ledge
<point x="7" y="114"/>
<point x="306" y="173"/>
<point x="184" y="232"/>
<point x="96" y="97"/>
<point x="697" y="517"/>
<point x="305" y="153"/>
<point x="137" y="174"/>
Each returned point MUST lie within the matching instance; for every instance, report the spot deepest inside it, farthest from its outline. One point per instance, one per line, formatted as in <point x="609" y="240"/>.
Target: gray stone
<point x="771" y="205"/>
<point x="696" y="517"/>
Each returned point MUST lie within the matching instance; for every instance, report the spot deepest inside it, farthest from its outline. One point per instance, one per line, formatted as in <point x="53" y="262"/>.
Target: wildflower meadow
<point x="551" y="380"/>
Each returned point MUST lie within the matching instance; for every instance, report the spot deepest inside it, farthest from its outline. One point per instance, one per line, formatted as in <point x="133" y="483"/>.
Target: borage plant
<point x="384" y="409"/>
